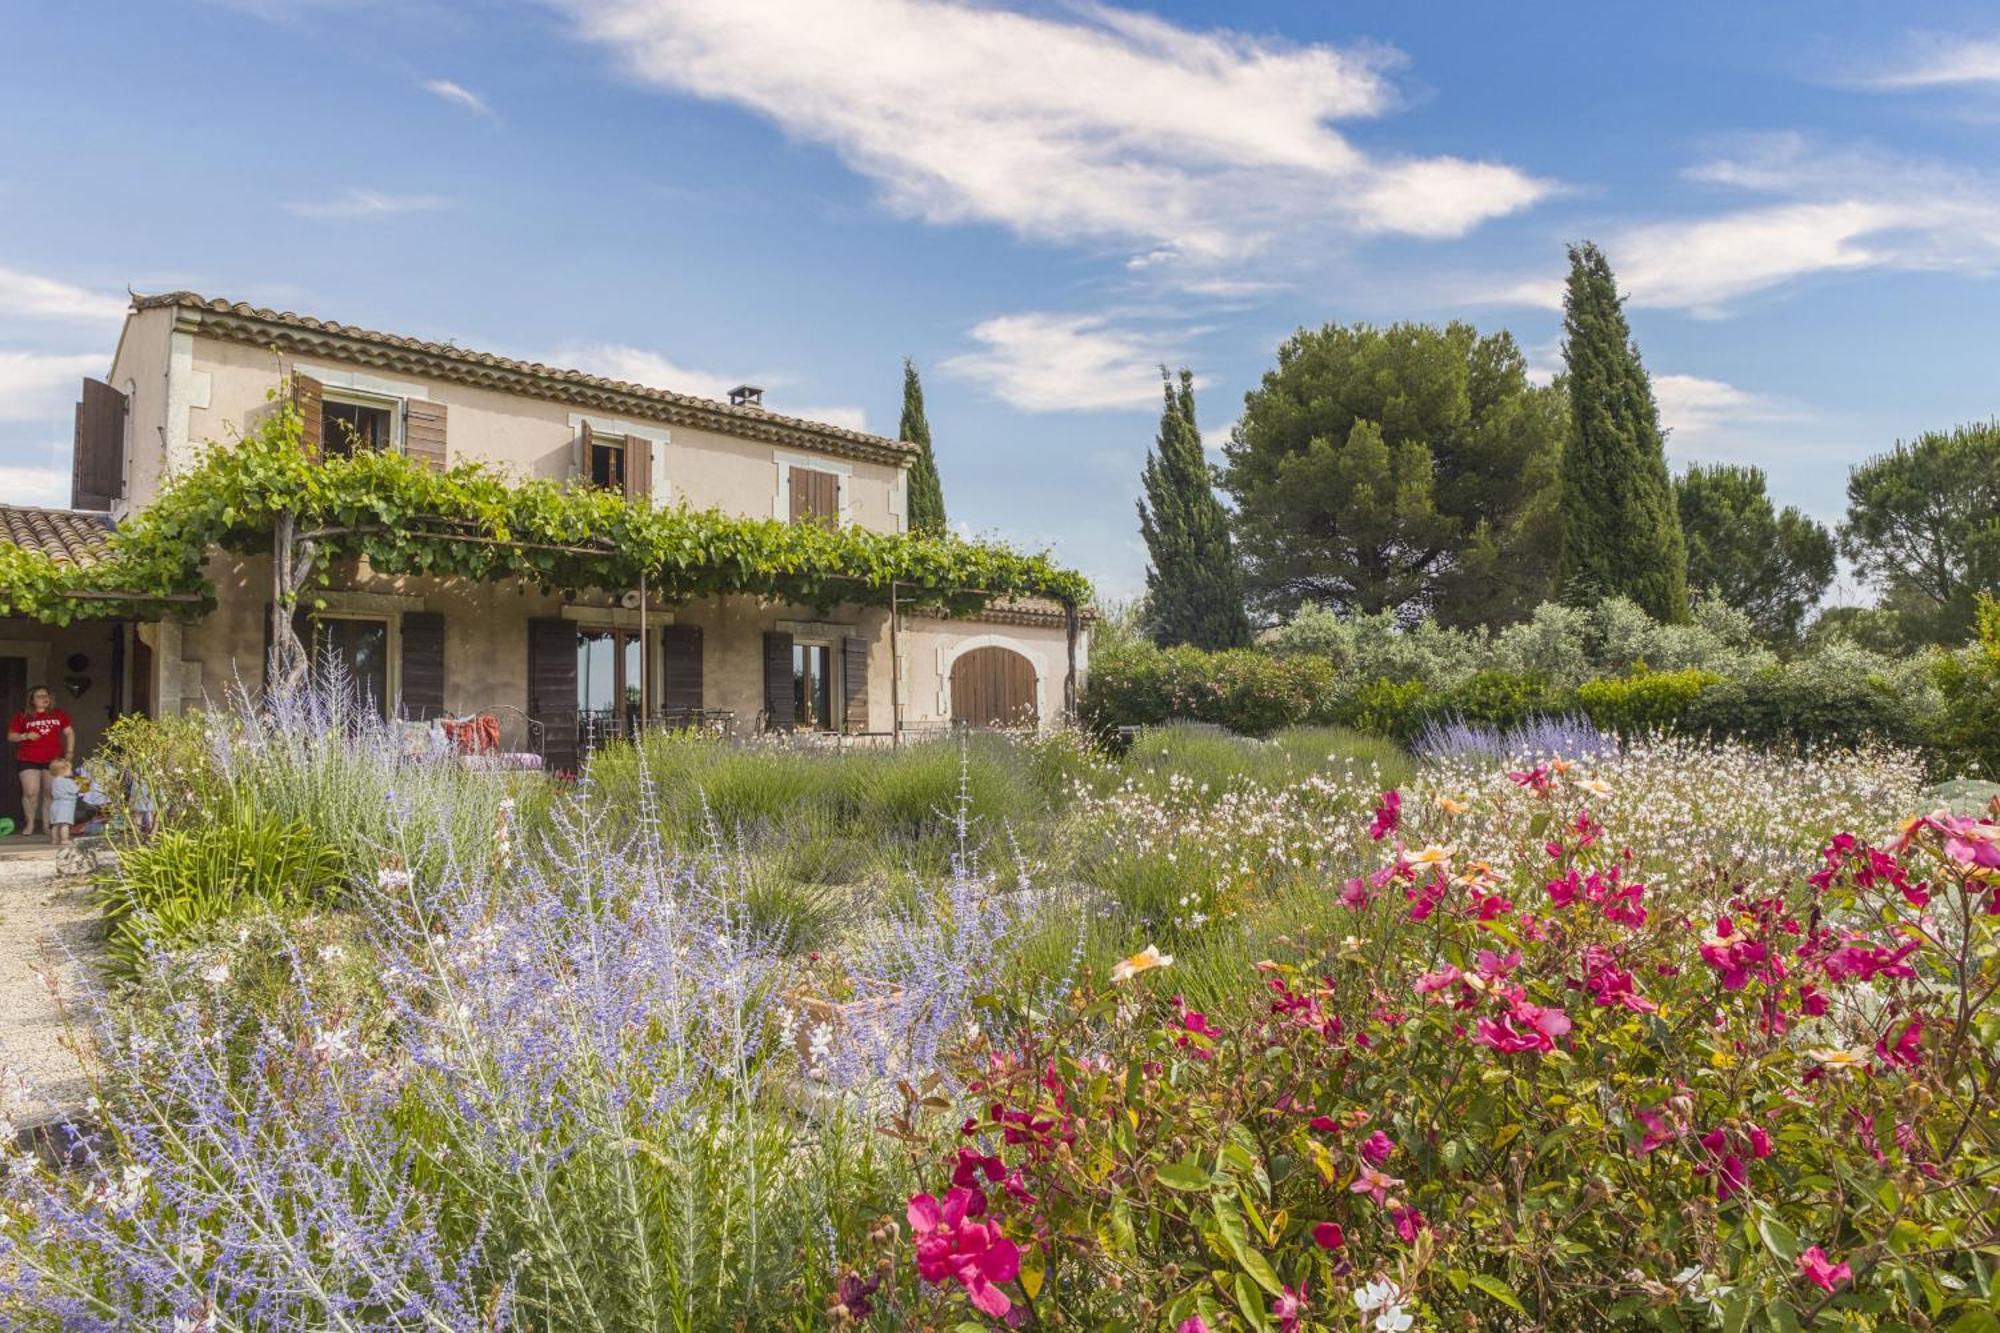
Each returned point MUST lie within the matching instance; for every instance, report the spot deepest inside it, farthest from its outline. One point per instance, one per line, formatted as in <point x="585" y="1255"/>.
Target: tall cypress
<point x="1194" y="587"/>
<point x="926" y="488"/>
<point x="1621" y="526"/>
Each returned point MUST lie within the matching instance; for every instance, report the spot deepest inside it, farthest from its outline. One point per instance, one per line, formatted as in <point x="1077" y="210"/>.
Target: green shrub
<point x="1250" y="692"/>
<point x="1500" y="699"/>
<point x="172" y="756"/>
<point x="1966" y="732"/>
<point x="1646" y="702"/>
<point x="1396" y="709"/>
<point x="165" y="890"/>
<point x="1783" y="707"/>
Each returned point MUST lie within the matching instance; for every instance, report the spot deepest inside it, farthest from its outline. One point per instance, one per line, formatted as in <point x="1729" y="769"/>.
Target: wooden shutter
<point x="780" y="708"/>
<point x="579" y="454"/>
<point x="97" y="466"/>
<point x="854" y="682"/>
<point x="552" y="690"/>
<point x="680" y="662"/>
<point x="423" y="665"/>
<point x="638" y="469"/>
<point x="309" y="397"/>
<point x="815" y="497"/>
<point x="423" y="433"/>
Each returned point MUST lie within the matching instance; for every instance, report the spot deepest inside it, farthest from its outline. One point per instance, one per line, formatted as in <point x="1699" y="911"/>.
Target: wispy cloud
<point x="35" y="386"/>
<point x="1696" y="409"/>
<point x="31" y="296"/>
<point x="1831" y="212"/>
<point x="1043" y="362"/>
<point x="460" y="95"/>
<point x="1937" y="60"/>
<point x="358" y="205"/>
<point x="23" y="484"/>
<point x="1087" y="124"/>
<point x="642" y="366"/>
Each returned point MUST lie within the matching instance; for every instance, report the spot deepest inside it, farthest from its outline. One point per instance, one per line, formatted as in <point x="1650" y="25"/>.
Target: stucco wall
<point x="930" y="647"/>
<point x="486" y="655"/>
<point x="139" y="370"/>
<point x="522" y="436"/>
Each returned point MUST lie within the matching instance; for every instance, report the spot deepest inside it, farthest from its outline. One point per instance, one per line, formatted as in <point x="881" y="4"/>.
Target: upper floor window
<point x="607" y="462"/>
<point x="815" y="496"/>
<point x="350" y="425"/>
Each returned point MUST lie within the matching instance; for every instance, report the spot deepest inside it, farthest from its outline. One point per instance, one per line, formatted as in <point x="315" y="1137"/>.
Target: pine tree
<point x="1621" y="527"/>
<point x="926" y="488"/>
<point x="1194" y="588"/>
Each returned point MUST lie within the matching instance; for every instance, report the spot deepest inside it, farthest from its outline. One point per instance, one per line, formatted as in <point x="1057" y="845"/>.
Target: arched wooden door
<point x="993" y="687"/>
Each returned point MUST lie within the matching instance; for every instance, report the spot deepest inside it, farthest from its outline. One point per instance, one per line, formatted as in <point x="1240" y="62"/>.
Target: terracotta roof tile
<point x="71" y="536"/>
<point x="555" y="376"/>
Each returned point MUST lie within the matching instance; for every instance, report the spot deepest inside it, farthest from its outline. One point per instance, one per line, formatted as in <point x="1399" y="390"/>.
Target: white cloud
<point x="1833" y="212"/>
<point x="25" y="485"/>
<point x="1043" y="362"/>
<point x="460" y="94"/>
<point x="1937" y="61"/>
<point x="358" y="205"/>
<point x="35" y="386"/>
<point x="1087" y="123"/>
<point x="640" y="366"/>
<point x="31" y="296"/>
<point x="1696" y="409"/>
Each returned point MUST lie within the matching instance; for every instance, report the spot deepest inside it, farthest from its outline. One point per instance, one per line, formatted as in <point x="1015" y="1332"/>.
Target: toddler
<point x="63" y="791"/>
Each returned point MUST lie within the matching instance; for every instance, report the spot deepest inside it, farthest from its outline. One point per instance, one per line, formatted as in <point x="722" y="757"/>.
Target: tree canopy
<point x="1923" y="526"/>
<point x="1194" y="586"/>
<point x="926" y="494"/>
<point x="1410" y="469"/>
<point x="1772" y="565"/>
<point x="1621" y="531"/>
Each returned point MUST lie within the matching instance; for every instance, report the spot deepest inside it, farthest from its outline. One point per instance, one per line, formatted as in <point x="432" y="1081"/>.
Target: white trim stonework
<point x="948" y="655"/>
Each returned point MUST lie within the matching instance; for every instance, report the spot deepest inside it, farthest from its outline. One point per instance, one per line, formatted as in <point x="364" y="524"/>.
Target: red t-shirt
<point x="45" y="732"/>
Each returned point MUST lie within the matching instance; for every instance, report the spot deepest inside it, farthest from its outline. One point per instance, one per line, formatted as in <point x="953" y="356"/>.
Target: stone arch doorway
<point x="993" y="687"/>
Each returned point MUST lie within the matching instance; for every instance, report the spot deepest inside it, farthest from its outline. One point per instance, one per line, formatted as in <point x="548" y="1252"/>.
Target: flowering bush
<point x="1539" y="1089"/>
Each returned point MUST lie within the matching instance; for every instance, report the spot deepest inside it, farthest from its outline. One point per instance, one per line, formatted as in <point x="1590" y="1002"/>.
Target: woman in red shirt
<point x="39" y="735"/>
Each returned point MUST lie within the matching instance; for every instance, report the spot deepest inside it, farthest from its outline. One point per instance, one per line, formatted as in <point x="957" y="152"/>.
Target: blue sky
<point x="1038" y="202"/>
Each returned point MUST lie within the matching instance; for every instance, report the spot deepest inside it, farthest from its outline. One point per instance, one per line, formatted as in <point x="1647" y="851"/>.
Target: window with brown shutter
<point x="638" y="469"/>
<point x="552" y="697"/>
<point x="681" y="667"/>
<point x="423" y="665"/>
<point x="780" y="707"/>
<point x="854" y="680"/>
<point x="815" y="496"/>
<point x="97" y="467"/>
<point x="309" y="397"/>
<point x="423" y="433"/>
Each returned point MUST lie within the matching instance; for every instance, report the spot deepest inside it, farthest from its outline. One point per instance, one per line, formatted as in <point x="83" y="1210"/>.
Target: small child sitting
<point x="63" y="791"/>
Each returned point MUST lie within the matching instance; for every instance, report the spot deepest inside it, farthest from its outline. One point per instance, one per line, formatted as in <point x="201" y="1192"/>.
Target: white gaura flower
<point x="1145" y="960"/>
<point x="217" y="974"/>
<point x="332" y="1043"/>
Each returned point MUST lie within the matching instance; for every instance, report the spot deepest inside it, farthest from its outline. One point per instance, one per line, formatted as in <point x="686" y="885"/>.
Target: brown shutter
<point x="423" y="433"/>
<point x="579" y="454"/>
<point x="97" y="467"/>
<point x="552" y="690"/>
<point x="780" y="708"/>
<point x="854" y="682"/>
<point x="815" y="497"/>
<point x="680" y="661"/>
<point x="423" y="665"/>
<point x="308" y="396"/>
<point x="638" y="469"/>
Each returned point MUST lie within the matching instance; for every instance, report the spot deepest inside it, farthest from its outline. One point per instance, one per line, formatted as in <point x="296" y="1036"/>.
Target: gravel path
<point x="46" y="921"/>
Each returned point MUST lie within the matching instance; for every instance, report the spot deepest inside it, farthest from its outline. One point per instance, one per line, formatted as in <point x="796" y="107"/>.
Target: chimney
<point x="746" y="395"/>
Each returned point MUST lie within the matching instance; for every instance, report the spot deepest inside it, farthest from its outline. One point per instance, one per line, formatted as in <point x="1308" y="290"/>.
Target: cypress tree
<point x="1621" y="526"/>
<point x="926" y="488"/>
<point x="1194" y="588"/>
